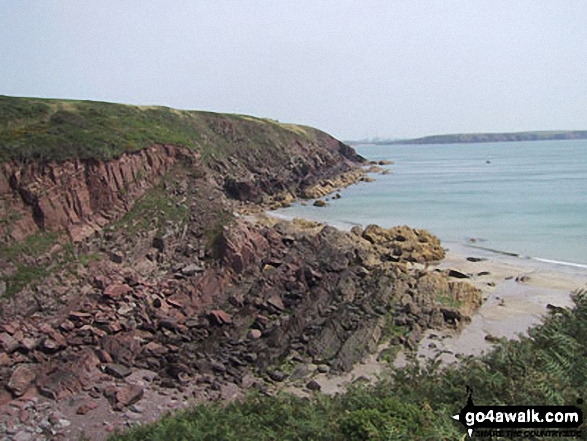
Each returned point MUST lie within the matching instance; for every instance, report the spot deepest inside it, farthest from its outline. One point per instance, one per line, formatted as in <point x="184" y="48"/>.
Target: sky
<point x="355" y="69"/>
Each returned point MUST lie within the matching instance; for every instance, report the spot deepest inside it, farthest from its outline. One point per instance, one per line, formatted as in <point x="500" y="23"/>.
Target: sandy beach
<point x="516" y="293"/>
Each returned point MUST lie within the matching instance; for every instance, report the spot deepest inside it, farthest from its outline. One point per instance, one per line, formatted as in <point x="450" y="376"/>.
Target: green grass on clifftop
<point x="33" y="129"/>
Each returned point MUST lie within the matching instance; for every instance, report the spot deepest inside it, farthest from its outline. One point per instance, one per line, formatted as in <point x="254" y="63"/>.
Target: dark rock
<point x="158" y="243"/>
<point x="476" y="259"/>
<point x="116" y="256"/>
<point x="457" y="274"/>
<point x="277" y="376"/>
<point x="320" y="203"/>
<point x="313" y="385"/>
<point x="220" y="317"/>
<point x="117" y="370"/>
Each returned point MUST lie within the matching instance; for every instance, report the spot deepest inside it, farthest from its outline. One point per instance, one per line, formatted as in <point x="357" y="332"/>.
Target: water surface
<point x="527" y="198"/>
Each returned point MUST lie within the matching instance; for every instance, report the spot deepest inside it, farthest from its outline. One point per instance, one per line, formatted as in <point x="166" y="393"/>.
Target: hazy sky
<point x="352" y="68"/>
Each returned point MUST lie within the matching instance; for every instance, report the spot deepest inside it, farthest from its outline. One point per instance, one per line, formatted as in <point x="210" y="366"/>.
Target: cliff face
<point x="78" y="196"/>
<point x="182" y="287"/>
<point x="93" y="169"/>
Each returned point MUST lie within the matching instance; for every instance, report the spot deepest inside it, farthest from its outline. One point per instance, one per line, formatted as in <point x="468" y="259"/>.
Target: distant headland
<point x="481" y="137"/>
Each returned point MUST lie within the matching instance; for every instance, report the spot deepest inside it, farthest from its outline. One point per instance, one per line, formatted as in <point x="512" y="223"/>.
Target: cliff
<point x="131" y="270"/>
<point x="74" y="166"/>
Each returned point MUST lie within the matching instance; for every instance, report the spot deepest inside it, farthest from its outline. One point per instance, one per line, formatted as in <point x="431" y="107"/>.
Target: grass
<point x="415" y="403"/>
<point x="33" y="129"/>
<point x="29" y="272"/>
<point x="447" y="299"/>
<point x="155" y="207"/>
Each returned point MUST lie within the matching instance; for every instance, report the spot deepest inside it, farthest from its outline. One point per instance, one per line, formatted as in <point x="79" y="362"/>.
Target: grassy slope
<point x="47" y="129"/>
<point x="415" y="403"/>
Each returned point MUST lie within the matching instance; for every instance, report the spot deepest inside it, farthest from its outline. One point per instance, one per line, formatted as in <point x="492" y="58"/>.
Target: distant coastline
<point x="481" y="137"/>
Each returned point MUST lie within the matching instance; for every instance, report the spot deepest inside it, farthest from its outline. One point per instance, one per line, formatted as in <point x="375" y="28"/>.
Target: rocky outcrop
<point x="191" y="294"/>
<point x="78" y="197"/>
<point x="405" y="243"/>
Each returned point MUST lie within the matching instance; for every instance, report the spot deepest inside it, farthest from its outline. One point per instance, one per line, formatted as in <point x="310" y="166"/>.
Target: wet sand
<point x="516" y="293"/>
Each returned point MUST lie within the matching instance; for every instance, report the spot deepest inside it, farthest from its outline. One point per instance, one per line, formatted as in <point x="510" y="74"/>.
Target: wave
<point x="560" y="262"/>
<point x="520" y="256"/>
<point x="493" y="250"/>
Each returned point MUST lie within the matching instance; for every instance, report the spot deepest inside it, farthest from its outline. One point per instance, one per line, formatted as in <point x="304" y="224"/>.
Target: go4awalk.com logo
<point x="520" y="421"/>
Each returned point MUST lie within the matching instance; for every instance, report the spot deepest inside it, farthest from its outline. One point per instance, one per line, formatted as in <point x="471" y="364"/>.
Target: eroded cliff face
<point x="79" y="196"/>
<point x="187" y="288"/>
<point x="208" y="302"/>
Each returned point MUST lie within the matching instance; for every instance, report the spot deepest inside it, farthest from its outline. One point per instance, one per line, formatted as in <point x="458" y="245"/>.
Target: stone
<point x="117" y="290"/>
<point x="116" y="256"/>
<point x="313" y="385"/>
<point x="276" y="301"/>
<point x="8" y="343"/>
<point x="220" y="317"/>
<point x="277" y="376"/>
<point x="191" y="270"/>
<point x="320" y="203"/>
<point x="117" y="370"/>
<point x="87" y="407"/>
<point x="323" y="368"/>
<point x="5" y="359"/>
<point x="20" y="380"/>
<point x="254" y="334"/>
<point x="457" y="274"/>
<point x="129" y="394"/>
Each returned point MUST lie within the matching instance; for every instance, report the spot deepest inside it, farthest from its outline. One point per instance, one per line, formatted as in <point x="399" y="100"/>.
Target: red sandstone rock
<point x="117" y="290"/>
<point x="87" y="407"/>
<point x="220" y="317"/>
<point x="8" y="343"/>
<point x="77" y="196"/>
<point x="20" y="380"/>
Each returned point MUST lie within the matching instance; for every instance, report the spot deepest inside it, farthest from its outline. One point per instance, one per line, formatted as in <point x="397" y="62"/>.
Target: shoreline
<point x="517" y="293"/>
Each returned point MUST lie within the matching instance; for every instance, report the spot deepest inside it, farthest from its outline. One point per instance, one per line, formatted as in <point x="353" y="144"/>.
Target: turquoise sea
<point x="526" y="198"/>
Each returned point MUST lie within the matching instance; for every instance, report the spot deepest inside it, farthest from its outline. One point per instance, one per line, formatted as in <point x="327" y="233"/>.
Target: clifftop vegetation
<point x="33" y="129"/>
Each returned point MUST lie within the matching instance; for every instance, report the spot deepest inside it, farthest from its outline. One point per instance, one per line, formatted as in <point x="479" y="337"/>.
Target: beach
<point x="517" y="293"/>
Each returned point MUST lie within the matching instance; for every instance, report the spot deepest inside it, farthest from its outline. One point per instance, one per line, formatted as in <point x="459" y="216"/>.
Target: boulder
<point x="21" y="379"/>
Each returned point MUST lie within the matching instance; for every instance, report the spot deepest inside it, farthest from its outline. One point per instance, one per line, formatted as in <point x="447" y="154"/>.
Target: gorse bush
<point x="414" y="403"/>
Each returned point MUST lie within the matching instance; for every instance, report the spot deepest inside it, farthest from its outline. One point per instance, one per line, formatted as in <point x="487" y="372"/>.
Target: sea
<point x="523" y="200"/>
